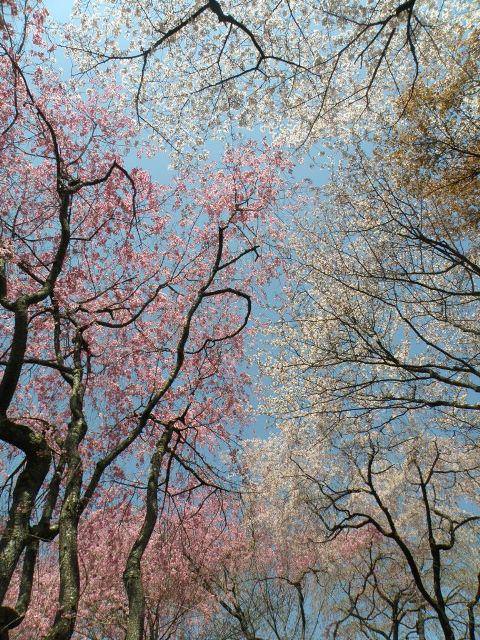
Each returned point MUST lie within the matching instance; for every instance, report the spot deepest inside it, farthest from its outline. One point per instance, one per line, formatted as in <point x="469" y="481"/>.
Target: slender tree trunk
<point x="37" y="453"/>
<point x="471" y="623"/>
<point x="441" y="607"/>
<point x="27" y="486"/>
<point x="471" y="613"/>
<point x="395" y="621"/>
<point x="13" y="369"/>
<point x="420" y="626"/>
<point x="66" y="615"/>
<point x="132" y="576"/>
<point x="26" y="579"/>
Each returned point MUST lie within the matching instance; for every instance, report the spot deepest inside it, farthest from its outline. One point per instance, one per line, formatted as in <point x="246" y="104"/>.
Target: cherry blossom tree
<point x="384" y="318"/>
<point x="265" y="586"/>
<point x="414" y="500"/>
<point x="123" y="309"/>
<point x="176" y="603"/>
<point x="375" y="367"/>
<point x="305" y="71"/>
<point x="126" y="304"/>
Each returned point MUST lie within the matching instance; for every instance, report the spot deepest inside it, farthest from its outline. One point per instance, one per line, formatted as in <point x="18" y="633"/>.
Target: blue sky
<point x="59" y="8"/>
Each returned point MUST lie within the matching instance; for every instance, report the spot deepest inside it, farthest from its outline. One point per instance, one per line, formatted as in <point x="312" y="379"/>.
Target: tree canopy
<point x="149" y="320"/>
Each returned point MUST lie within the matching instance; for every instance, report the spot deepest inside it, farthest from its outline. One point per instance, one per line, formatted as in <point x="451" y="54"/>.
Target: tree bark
<point x="132" y="576"/>
<point x="66" y="615"/>
<point x="37" y="464"/>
